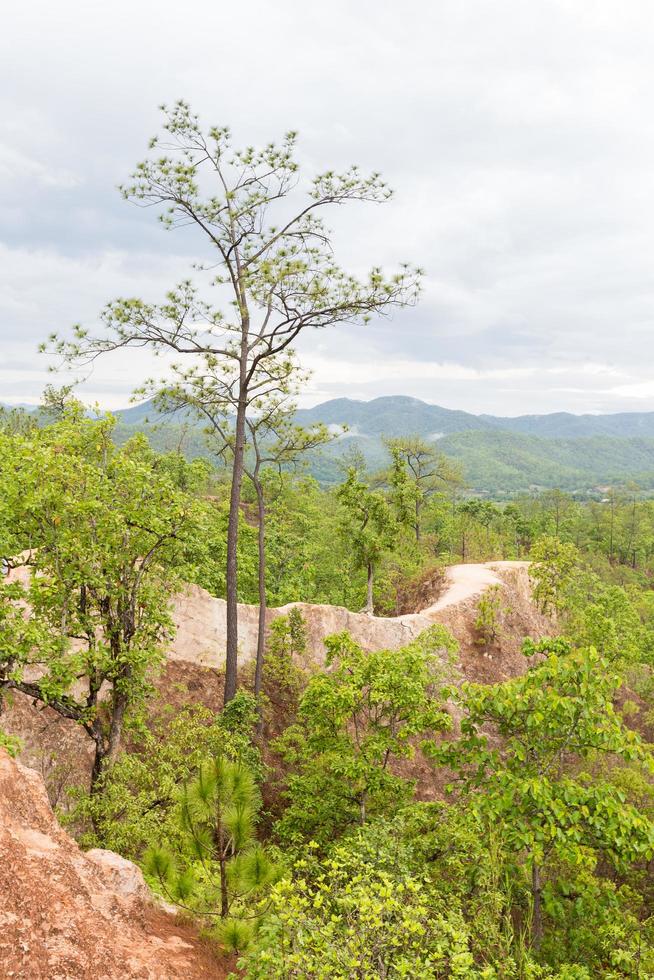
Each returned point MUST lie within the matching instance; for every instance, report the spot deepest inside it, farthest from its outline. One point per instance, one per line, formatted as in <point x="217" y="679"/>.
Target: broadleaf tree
<point x="102" y="534"/>
<point x="369" y="526"/>
<point x="427" y="471"/>
<point x="355" y="719"/>
<point x="514" y="758"/>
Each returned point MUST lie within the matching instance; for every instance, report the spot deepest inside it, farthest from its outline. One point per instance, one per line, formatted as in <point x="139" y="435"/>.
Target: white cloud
<point x="643" y="389"/>
<point x="17" y="167"/>
<point x="519" y="137"/>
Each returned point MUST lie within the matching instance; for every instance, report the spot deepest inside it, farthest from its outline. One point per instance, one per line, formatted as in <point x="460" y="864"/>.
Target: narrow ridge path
<point x="466" y="581"/>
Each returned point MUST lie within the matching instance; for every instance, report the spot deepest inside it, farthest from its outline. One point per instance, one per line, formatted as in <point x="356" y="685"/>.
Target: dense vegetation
<point x="289" y="824"/>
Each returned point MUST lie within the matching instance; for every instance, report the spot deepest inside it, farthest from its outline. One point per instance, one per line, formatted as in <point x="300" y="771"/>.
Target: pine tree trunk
<point x="261" y="632"/>
<point x="537" y="912"/>
<point x="231" y="647"/>
<point x="369" y="601"/>
<point x="224" y="894"/>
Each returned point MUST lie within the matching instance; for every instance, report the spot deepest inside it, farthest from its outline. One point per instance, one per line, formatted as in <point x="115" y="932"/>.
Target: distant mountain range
<point x="504" y="456"/>
<point x="395" y="414"/>
<point x="500" y="456"/>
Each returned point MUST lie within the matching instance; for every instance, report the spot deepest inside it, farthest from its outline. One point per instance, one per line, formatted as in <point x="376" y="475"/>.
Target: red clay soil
<point x="61" y="915"/>
<point x="518" y="617"/>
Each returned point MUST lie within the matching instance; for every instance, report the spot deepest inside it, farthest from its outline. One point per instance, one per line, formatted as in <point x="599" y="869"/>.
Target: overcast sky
<point x="518" y="135"/>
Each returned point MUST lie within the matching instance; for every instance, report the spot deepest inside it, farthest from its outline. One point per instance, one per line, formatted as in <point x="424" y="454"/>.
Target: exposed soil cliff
<point x="200" y="618"/>
<point x="61" y="752"/>
<point x="66" y="915"/>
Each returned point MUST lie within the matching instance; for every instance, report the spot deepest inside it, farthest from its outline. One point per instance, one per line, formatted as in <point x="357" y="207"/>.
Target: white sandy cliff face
<point x="62" y="753"/>
<point x="200" y="618"/>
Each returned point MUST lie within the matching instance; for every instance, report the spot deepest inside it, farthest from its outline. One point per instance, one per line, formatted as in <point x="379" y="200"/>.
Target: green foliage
<point x="513" y="756"/>
<point x="307" y="560"/>
<point x="102" y="532"/>
<point x="488" y="622"/>
<point x="405" y="494"/>
<point x="554" y="563"/>
<point x="419" y="470"/>
<point x="460" y="864"/>
<point x="599" y="923"/>
<point x="607" y="617"/>
<point x="368" y="525"/>
<point x="218" y="868"/>
<point x="342" y="924"/>
<point x="354" y="719"/>
<point x="138" y="795"/>
<point x="431" y="872"/>
<point x="284" y="676"/>
<point x="561" y="706"/>
<point x="594" y="612"/>
<point x="206" y="565"/>
<point x="288" y="635"/>
<point x="11" y="743"/>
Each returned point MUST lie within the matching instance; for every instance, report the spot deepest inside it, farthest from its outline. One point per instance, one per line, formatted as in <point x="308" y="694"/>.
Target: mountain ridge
<point x="422" y="415"/>
<point x="501" y="456"/>
<point x="551" y="424"/>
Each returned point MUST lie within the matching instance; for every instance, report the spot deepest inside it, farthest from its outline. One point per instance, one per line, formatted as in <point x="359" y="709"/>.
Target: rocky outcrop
<point x="67" y="915"/>
<point x="200" y="618"/>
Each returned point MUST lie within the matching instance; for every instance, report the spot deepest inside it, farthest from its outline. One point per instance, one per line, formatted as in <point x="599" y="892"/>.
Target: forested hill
<point x="396" y="415"/>
<point x="500" y="456"/>
<point x="504" y="463"/>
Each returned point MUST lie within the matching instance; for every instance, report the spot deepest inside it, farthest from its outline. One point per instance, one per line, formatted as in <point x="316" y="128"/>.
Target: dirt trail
<point x="468" y="581"/>
<point x="201" y="622"/>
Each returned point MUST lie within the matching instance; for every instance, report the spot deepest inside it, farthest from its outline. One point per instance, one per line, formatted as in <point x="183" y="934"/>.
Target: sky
<point x="518" y="136"/>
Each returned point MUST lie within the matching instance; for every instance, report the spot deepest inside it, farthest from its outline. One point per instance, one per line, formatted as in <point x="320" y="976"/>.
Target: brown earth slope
<point x="59" y="750"/>
<point x="66" y="915"/>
